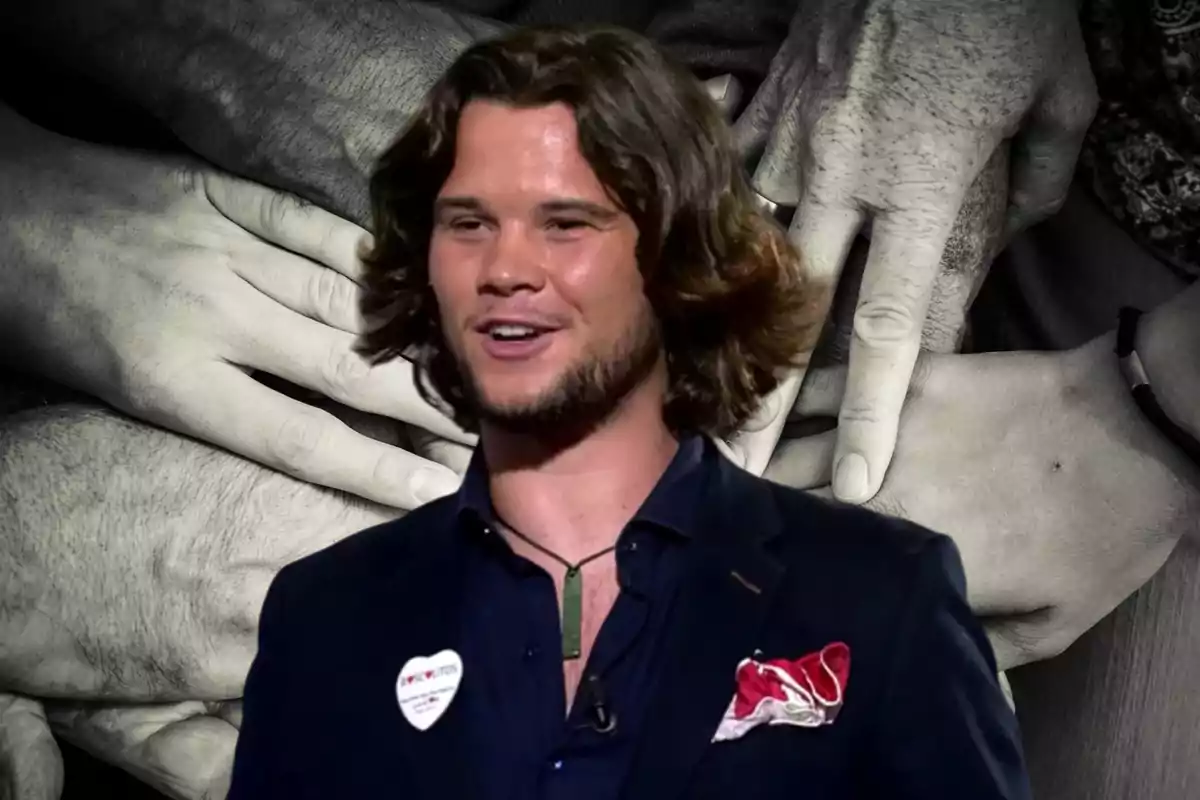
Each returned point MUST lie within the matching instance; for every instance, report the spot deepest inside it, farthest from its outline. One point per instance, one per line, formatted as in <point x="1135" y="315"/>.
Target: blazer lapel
<point x="722" y="605"/>
<point x="423" y="598"/>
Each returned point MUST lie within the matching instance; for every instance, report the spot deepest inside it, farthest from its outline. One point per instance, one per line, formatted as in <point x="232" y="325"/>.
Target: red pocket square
<point x="807" y="692"/>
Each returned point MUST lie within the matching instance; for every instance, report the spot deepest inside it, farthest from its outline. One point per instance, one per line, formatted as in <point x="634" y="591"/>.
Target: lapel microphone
<point x="603" y="720"/>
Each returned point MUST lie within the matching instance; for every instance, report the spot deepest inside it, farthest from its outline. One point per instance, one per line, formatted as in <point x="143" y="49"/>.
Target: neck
<point x="574" y="499"/>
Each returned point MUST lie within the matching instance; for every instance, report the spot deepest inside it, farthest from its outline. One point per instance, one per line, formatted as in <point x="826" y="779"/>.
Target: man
<point x="567" y="249"/>
<point x="205" y="521"/>
<point x="312" y="117"/>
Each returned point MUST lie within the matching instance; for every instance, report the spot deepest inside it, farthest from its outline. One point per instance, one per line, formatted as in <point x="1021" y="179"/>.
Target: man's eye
<point x="566" y="224"/>
<point x="466" y="224"/>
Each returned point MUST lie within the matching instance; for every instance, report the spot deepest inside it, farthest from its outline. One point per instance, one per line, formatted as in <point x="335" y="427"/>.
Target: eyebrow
<point x="575" y="205"/>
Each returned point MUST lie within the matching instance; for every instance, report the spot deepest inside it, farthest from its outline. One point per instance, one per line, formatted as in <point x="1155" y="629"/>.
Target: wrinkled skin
<point x="195" y="569"/>
<point x="1034" y="606"/>
<point x="1051" y="432"/>
<point x="316" y="125"/>
<point x="164" y="297"/>
<point x="882" y="115"/>
<point x="30" y="765"/>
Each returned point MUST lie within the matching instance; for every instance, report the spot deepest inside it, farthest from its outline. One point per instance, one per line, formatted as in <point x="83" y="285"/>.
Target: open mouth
<point x="508" y="332"/>
<point x="508" y="339"/>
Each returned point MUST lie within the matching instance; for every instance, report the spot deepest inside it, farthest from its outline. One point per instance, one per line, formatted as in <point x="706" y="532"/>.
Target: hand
<point x="155" y="286"/>
<point x="134" y="562"/>
<point x="1061" y="497"/>
<point x="881" y="115"/>
<point x="31" y="766"/>
<point x="314" y="116"/>
<point x="184" y="750"/>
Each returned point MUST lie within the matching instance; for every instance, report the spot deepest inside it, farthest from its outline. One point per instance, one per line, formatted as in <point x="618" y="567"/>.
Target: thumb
<point x="1046" y="149"/>
<point x="1044" y="154"/>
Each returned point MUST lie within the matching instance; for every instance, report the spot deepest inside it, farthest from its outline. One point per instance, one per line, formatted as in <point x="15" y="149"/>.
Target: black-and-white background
<point x="157" y="462"/>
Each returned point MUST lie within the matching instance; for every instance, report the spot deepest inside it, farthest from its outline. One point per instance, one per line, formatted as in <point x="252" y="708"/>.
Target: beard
<point x="581" y="399"/>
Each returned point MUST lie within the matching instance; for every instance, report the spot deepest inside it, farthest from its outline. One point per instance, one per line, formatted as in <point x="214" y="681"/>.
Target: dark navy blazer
<point x="771" y="569"/>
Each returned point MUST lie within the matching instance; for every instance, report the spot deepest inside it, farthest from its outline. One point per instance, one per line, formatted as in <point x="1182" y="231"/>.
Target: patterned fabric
<point x="1142" y="153"/>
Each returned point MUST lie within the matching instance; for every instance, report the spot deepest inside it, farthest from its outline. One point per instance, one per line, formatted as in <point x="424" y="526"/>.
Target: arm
<point x="133" y="562"/>
<point x="947" y="731"/>
<point x="1062" y="498"/>
<point x="271" y="738"/>
<point x="309" y="117"/>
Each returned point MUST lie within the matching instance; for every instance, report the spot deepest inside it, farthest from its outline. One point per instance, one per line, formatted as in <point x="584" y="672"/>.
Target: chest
<point x="573" y="631"/>
<point x="509" y="723"/>
<point x="586" y="596"/>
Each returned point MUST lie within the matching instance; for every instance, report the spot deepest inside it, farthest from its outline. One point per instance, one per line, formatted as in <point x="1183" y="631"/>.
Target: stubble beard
<point x="584" y="397"/>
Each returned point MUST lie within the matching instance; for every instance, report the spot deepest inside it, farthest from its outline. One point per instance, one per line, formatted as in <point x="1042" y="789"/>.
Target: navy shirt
<point x="527" y="744"/>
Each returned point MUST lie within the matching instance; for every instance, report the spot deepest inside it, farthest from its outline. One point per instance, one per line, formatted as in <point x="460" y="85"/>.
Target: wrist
<point x="1168" y="343"/>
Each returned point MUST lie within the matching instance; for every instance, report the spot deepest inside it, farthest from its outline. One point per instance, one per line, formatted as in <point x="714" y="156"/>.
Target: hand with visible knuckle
<point x="915" y="98"/>
<point x="880" y="321"/>
<point x="1043" y="563"/>
<point x="296" y="442"/>
<point x="185" y="289"/>
<point x="348" y="372"/>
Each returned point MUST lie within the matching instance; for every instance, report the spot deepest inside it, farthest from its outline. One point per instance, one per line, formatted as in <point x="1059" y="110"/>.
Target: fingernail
<point x="851" y="483"/>
<point x="366" y="243"/>
<point x="718" y="87"/>
<point x="430" y="484"/>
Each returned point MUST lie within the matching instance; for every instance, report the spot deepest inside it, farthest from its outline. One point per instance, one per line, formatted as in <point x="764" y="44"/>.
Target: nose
<point x="512" y="264"/>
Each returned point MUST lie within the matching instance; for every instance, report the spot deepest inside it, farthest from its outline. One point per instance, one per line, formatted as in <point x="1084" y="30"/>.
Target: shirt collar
<point x="673" y="503"/>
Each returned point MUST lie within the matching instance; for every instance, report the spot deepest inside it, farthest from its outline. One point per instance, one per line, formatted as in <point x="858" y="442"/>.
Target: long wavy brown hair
<point x="729" y="292"/>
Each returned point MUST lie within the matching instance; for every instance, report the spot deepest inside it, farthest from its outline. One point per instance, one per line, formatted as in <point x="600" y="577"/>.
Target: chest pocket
<point x="776" y="761"/>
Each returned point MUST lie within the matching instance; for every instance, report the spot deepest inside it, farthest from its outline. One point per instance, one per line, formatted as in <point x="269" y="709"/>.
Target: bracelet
<point x="1139" y="385"/>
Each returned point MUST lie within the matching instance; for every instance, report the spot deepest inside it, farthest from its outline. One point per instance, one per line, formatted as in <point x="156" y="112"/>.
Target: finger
<point x="232" y="410"/>
<point x="1045" y="152"/>
<point x="726" y="92"/>
<point x="753" y="126"/>
<point x="902" y="266"/>
<point x="320" y="358"/>
<point x="1006" y="688"/>
<point x="289" y="222"/>
<point x="317" y="292"/>
<point x="803" y="463"/>
<point x="31" y="765"/>
<point x="231" y="711"/>
<point x="824" y="228"/>
<point x="176" y="748"/>
<point x="822" y="392"/>
<point x="728" y="450"/>
<point x="449" y="454"/>
<point x="777" y="173"/>
<point x="823" y="492"/>
<point x="757" y="446"/>
<point x="824" y="233"/>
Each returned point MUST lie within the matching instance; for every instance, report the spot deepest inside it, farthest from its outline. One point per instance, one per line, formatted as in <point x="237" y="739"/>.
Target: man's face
<point x="536" y="274"/>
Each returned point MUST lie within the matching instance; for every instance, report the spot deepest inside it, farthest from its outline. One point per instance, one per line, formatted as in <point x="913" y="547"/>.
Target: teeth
<point x="512" y="331"/>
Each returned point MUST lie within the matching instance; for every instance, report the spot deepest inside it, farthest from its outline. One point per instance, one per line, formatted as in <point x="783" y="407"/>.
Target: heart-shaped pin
<point x="426" y="686"/>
